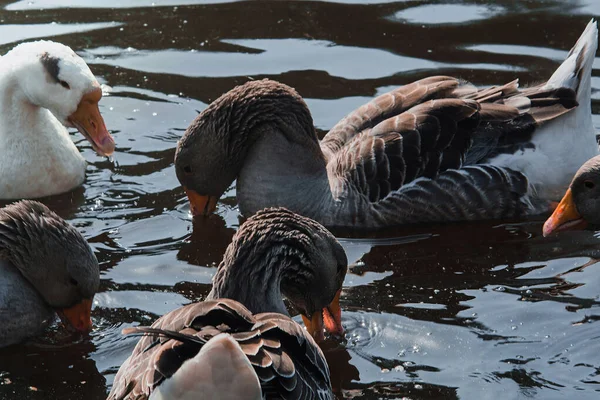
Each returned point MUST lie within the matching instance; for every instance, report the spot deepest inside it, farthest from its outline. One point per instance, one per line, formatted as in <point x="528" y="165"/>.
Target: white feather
<point x="565" y="143"/>
<point x="220" y="371"/>
<point x="38" y="156"/>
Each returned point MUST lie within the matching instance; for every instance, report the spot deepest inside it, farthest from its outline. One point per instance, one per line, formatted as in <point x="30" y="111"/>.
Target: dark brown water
<point x="471" y="311"/>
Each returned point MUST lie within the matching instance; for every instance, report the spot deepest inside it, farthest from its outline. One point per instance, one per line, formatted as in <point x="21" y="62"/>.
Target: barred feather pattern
<point x="399" y="141"/>
<point x="427" y="127"/>
<point x="287" y="361"/>
<point x="417" y="141"/>
<point x="471" y="193"/>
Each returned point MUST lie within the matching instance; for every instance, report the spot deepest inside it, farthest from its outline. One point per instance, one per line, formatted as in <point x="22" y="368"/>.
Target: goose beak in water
<point x="565" y="217"/>
<point x="89" y="122"/>
<point x="78" y="316"/>
<point x="330" y="319"/>
<point x="201" y="205"/>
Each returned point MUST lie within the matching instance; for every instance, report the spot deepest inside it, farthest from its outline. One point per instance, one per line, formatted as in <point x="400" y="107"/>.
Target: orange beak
<point x="78" y="316"/>
<point x="330" y="318"/>
<point x="565" y="217"/>
<point x="89" y="122"/>
<point x="201" y="205"/>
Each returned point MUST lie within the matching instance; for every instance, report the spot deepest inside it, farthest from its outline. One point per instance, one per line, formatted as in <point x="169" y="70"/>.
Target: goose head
<point x="214" y="148"/>
<point x="53" y="257"/>
<point x="53" y="77"/>
<point x="580" y="205"/>
<point x="277" y="252"/>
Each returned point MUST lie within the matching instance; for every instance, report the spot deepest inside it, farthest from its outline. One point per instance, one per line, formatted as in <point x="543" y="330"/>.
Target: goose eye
<point x="187" y="169"/>
<point x="73" y="281"/>
<point x="589" y="184"/>
<point x="65" y="84"/>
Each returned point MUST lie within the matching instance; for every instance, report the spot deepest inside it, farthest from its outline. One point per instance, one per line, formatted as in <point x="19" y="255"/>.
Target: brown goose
<point x="435" y="150"/>
<point x="580" y="205"/>
<point x="240" y="343"/>
<point x="46" y="268"/>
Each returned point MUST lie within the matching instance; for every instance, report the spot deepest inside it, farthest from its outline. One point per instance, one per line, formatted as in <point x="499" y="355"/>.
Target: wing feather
<point x="284" y="357"/>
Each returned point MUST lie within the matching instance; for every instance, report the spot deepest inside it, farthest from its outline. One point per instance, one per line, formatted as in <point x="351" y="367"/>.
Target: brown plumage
<point x="286" y="360"/>
<point x="427" y="139"/>
<point x="274" y="253"/>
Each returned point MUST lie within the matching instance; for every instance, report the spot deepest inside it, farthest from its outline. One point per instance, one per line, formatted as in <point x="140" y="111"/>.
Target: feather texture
<point x="287" y="361"/>
<point x="399" y="141"/>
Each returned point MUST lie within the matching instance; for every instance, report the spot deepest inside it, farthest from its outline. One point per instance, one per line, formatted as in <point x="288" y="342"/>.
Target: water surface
<point x="472" y="311"/>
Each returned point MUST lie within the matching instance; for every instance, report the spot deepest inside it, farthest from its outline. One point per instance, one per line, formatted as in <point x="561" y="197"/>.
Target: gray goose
<point x="240" y="342"/>
<point x="434" y="150"/>
<point x="46" y="268"/>
<point x="580" y="205"/>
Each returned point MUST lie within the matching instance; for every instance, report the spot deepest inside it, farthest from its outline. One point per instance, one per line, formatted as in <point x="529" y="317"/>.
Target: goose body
<point x="23" y="312"/>
<point x="240" y="342"/>
<point x="434" y="150"/>
<point x="261" y="356"/>
<point x="46" y="267"/>
<point x="44" y="88"/>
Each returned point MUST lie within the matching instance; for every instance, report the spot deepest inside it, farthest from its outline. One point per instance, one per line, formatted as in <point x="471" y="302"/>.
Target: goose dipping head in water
<point x="46" y="268"/>
<point x="45" y="88"/>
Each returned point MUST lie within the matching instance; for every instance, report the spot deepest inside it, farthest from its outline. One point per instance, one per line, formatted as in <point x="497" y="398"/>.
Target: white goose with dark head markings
<point x="45" y="87"/>
<point x="435" y="150"/>
<point x="240" y="342"/>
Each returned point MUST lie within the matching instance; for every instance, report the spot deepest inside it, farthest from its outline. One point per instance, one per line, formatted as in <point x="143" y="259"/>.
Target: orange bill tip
<point x="332" y="316"/>
<point x="565" y="217"/>
<point x="201" y="205"/>
<point x="314" y="326"/>
<point x="78" y="316"/>
<point x="329" y="318"/>
<point x="88" y="120"/>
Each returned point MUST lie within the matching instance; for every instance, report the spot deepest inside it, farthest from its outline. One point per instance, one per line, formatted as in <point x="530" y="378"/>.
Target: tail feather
<point x="575" y="71"/>
<point x="220" y="371"/>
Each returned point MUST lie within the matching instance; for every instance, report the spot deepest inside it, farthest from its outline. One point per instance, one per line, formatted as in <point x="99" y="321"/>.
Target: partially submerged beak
<point x="78" y="316"/>
<point x="89" y="122"/>
<point x="201" y="205"/>
<point x="330" y="319"/>
<point x="565" y="217"/>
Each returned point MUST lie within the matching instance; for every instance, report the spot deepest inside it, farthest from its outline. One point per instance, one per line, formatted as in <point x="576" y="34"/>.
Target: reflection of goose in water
<point x="59" y="359"/>
<point x="207" y="243"/>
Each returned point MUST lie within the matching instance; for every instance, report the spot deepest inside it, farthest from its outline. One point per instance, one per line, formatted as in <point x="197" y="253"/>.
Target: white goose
<point x="45" y="87"/>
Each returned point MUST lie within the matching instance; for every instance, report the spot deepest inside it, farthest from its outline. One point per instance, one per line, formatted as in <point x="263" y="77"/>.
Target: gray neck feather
<point x="276" y="170"/>
<point x="42" y="247"/>
<point x="257" y="285"/>
<point x="20" y="235"/>
<point x="267" y="258"/>
<point x="267" y="133"/>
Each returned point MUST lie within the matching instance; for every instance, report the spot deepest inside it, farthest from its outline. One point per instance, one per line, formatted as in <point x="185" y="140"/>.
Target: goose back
<point x="287" y="361"/>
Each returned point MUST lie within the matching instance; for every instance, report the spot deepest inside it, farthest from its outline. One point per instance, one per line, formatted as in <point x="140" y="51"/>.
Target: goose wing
<point x="431" y="126"/>
<point x="286" y="361"/>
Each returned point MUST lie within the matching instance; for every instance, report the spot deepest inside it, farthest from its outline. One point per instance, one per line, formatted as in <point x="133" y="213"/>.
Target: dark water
<point x="472" y="311"/>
